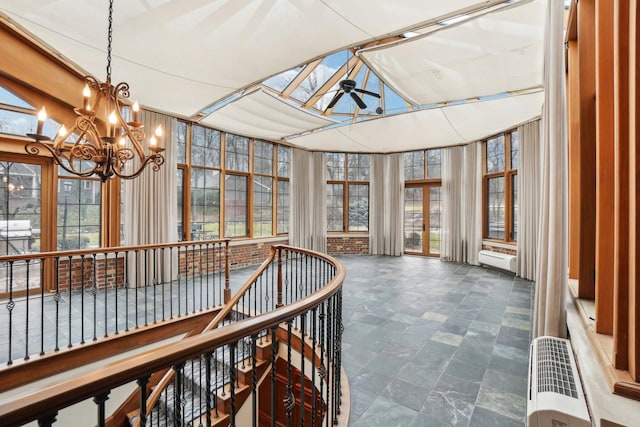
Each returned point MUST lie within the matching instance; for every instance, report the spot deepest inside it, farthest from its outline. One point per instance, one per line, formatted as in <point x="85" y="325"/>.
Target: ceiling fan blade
<point x="366" y="92"/>
<point x="334" y="100"/>
<point x="358" y="101"/>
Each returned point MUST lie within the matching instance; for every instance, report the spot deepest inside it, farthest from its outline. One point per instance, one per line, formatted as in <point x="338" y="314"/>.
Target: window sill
<point x="257" y="240"/>
<point x="609" y="391"/>
<point x="347" y="234"/>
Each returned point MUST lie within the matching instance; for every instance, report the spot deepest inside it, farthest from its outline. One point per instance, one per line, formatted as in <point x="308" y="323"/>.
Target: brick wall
<point x="489" y="247"/>
<point x="348" y="245"/>
<point x="250" y="253"/>
<point x="85" y="272"/>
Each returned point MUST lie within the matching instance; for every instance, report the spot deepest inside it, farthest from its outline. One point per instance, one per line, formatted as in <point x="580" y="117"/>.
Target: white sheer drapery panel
<point x="549" y="317"/>
<point x="472" y="202"/>
<point x="386" y="204"/>
<point x="451" y="248"/>
<point x="528" y="198"/>
<point x="307" y="223"/>
<point x="150" y="202"/>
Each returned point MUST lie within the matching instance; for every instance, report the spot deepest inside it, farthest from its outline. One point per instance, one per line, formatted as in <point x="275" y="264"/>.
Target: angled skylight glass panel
<point x="280" y="81"/>
<point x="8" y="98"/>
<point x="393" y="104"/>
<point x="320" y="74"/>
<point x="496" y="52"/>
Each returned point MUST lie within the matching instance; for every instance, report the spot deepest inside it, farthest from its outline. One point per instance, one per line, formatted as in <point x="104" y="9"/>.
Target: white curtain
<point x="386" y="204"/>
<point x="549" y="316"/>
<point x="451" y="246"/>
<point x="472" y="202"/>
<point x="308" y="219"/>
<point x="150" y="201"/>
<point x="528" y="200"/>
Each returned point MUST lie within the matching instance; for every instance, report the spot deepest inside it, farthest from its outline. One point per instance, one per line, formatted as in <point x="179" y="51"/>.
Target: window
<point x="205" y="184"/>
<point x="284" y="167"/>
<point x="501" y="159"/>
<point x="348" y="185"/>
<point x="79" y="209"/>
<point x="262" y="189"/>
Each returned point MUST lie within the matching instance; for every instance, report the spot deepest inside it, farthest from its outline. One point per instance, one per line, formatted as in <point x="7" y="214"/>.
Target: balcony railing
<point x="274" y="349"/>
<point x="61" y="300"/>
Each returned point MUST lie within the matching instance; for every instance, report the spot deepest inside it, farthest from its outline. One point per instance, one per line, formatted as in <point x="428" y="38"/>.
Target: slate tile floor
<point x="429" y="343"/>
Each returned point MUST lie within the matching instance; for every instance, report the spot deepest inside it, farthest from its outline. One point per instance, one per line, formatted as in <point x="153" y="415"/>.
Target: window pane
<point x="9" y="98"/>
<point x="283" y="207"/>
<point x="20" y="207"/>
<point x="180" y="185"/>
<point x="235" y="206"/>
<point x="237" y="154"/>
<point x="359" y="167"/>
<point x="205" y="147"/>
<point x="495" y="154"/>
<point x="205" y="204"/>
<point x="434" y="161"/>
<point x="263" y="158"/>
<point x="495" y="203"/>
<point x="284" y="161"/>
<point x="413" y="219"/>
<point x="335" y="200"/>
<point x="514" y="207"/>
<point x="414" y="165"/>
<point x="434" y="220"/>
<point x="515" y="150"/>
<point x="262" y="206"/>
<point x="358" y="207"/>
<point x="181" y="142"/>
<point x="78" y="213"/>
<point x="335" y="166"/>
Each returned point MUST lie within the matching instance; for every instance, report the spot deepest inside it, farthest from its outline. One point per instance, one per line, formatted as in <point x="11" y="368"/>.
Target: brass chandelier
<point x="119" y="150"/>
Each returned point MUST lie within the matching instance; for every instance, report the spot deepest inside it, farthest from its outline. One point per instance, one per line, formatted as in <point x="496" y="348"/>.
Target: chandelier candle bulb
<point x="112" y="124"/>
<point x="86" y="93"/>
<point x="62" y="131"/>
<point x="136" y="109"/>
<point x="42" y="116"/>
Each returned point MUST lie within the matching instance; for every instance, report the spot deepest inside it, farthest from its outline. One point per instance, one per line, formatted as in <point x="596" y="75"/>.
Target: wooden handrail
<point x="50" y="399"/>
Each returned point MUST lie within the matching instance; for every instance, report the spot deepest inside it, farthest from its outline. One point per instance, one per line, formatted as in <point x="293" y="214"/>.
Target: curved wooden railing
<point x="317" y="317"/>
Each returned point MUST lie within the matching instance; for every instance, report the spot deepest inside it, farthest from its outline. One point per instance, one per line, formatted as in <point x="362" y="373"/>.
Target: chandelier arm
<point x="156" y="161"/>
<point x="33" y="147"/>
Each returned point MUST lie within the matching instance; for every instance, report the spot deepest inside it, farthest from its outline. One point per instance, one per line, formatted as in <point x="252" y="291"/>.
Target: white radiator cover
<point x="555" y="395"/>
<point x="498" y="260"/>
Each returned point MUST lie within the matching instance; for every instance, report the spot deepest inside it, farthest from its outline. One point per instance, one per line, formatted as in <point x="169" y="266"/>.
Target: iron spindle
<point x="274" y="352"/>
<point x="106" y="288"/>
<point x="94" y="294"/>
<point x="26" y="331"/>
<point x="142" y="383"/>
<point x="145" y="286"/>
<point x="42" y="308"/>
<point x="302" y="363"/>
<point x="177" y="393"/>
<point x="56" y="298"/>
<point x="10" y="306"/>
<point x="47" y="420"/>
<point x="289" y="400"/>
<point x="115" y="291"/>
<point x="137" y="284"/>
<point x="100" y="401"/>
<point x="254" y="381"/>
<point x="232" y="382"/>
<point x="207" y="361"/>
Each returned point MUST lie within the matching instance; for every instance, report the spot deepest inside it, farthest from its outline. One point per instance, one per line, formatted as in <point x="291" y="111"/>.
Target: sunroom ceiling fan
<point x="349" y="86"/>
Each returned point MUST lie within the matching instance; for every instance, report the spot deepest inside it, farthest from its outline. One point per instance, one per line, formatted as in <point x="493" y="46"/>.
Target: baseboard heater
<point x="555" y="396"/>
<point x="498" y="260"/>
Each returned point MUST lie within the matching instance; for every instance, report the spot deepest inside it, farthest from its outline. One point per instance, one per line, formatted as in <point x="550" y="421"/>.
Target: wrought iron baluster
<point x="115" y="290"/>
<point x="302" y="363"/>
<point x="106" y="297"/>
<point x="100" y="401"/>
<point x="171" y="282"/>
<point x="42" y="306"/>
<point x="274" y="352"/>
<point x="314" y="320"/>
<point x="94" y="294"/>
<point x="232" y="383"/>
<point x="193" y="281"/>
<point x="289" y="400"/>
<point x="70" y="266"/>
<point x="145" y="285"/>
<point x="142" y="384"/>
<point x="56" y="298"/>
<point x="207" y="361"/>
<point x="178" y="393"/>
<point x="11" y="304"/>
<point x="254" y="381"/>
<point x="26" y="327"/>
<point x="47" y="420"/>
<point x="137" y="283"/>
<point x="154" y="282"/>
<point x="201" y="276"/>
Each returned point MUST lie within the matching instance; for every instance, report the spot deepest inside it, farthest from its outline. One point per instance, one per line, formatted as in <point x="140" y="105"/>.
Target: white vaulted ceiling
<point x="183" y="56"/>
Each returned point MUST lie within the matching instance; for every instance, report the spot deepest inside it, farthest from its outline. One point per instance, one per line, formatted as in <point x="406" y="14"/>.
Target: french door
<point x="422" y="229"/>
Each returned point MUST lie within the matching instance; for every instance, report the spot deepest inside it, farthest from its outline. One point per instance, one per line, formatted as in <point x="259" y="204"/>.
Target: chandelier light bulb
<point x="86" y="93"/>
<point x="136" y="109"/>
<point x="62" y="131"/>
<point x="121" y="141"/>
<point x="159" y="131"/>
<point x="42" y="116"/>
<point x="153" y="142"/>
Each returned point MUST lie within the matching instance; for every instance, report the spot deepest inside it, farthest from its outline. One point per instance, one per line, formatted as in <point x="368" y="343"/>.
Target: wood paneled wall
<point x="603" y="104"/>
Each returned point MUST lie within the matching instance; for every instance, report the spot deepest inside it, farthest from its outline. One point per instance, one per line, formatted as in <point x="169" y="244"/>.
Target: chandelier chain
<point x="109" y="39"/>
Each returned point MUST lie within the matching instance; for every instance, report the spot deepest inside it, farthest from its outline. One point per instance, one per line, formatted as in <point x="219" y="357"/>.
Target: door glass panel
<point x="413" y="219"/>
<point x="20" y="196"/>
<point x="434" y="220"/>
